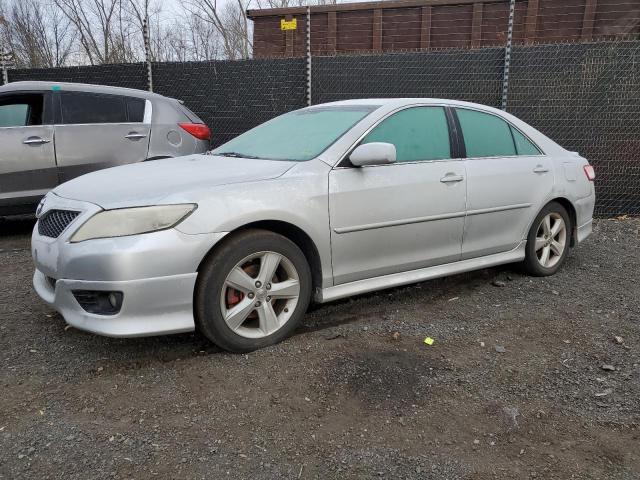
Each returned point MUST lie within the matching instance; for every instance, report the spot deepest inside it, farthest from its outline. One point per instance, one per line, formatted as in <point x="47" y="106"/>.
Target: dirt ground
<point x="527" y="378"/>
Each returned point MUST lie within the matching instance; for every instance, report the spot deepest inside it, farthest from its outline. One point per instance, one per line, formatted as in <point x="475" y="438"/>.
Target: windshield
<point x="299" y="136"/>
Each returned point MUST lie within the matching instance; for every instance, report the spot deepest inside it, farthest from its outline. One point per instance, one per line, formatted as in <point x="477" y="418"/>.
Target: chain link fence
<point x="234" y="96"/>
<point x="471" y="75"/>
<point x="585" y="96"/>
<point x="128" y="75"/>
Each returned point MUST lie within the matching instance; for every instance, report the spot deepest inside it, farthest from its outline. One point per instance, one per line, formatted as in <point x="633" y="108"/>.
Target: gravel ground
<point x="527" y="378"/>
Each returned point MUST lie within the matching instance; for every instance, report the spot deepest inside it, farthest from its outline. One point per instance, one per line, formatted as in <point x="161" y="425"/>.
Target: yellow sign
<point x="288" y="25"/>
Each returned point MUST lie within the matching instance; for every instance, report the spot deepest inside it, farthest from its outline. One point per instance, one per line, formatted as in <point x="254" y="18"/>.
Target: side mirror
<point x="376" y="153"/>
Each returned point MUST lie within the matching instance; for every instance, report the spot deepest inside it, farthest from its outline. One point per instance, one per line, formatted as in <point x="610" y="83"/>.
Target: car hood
<point x="148" y="183"/>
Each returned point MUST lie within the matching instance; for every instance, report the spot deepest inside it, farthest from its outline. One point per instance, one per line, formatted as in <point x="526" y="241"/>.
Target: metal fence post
<point x="147" y="51"/>
<point x="308" y="55"/>
<point x="507" y="56"/>
<point x="4" y="56"/>
<point x="5" y="72"/>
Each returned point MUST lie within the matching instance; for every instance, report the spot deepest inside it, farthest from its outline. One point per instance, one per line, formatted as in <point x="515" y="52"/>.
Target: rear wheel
<point x="253" y="291"/>
<point x="548" y="241"/>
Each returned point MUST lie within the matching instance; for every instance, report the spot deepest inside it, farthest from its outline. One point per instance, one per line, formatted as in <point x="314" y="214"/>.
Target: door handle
<point x="450" y="178"/>
<point x="540" y="169"/>
<point x="35" y="141"/>
<point x="135" y="136"/>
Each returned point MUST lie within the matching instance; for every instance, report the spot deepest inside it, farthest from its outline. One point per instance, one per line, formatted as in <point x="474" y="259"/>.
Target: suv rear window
<point x="135" y="109"/>
<point x="80" y="107"/>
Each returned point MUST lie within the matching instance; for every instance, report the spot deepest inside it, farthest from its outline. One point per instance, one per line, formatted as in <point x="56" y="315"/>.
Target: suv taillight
<point x="590" y="172"/>
<point x="198" y="130"/>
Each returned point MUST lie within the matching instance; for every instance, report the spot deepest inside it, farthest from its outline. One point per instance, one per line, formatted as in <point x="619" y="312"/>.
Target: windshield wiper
<point x="234" y="155"/>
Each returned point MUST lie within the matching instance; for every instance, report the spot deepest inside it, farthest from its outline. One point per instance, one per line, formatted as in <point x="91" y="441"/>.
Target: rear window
<point x="80" y="107"/>
<point x="485" y="135"/>
<point x="135" y="109"/>
<point x="523" y="144"/>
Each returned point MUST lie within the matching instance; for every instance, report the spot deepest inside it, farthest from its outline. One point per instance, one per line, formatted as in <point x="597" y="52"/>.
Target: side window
<point x="135" y="109"/>
<point x="485" y="135"/>
<point x="523" y="145"/>
<point x="21" y="110"/>
<point x="78" y="107"/>
<point x="418" y="133"/>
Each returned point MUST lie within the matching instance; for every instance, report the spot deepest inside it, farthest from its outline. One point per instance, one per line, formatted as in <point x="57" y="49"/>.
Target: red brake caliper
<point x="234" y="297"/>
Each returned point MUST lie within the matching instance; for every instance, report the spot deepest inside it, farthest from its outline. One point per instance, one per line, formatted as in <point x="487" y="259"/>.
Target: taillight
<point x="198" y="130"/>
<point x="590" y="172"/>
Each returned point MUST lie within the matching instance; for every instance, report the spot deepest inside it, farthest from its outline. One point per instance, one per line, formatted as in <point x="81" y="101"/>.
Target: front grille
<point x="53" y="223"/>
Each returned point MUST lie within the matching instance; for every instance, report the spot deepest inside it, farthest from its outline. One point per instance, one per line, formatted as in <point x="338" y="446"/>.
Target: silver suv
<point x="53" y="132"/>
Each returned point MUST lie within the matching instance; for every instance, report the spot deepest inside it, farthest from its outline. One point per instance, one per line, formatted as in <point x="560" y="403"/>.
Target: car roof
<point x="78" y="87"/>
<point x="400" y="102"/>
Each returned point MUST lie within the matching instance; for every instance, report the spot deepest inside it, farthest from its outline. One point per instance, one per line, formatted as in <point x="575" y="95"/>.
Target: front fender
<point x="301" y="201"/>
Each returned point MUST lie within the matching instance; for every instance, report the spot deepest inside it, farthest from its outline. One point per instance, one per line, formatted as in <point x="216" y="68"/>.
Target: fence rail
<point x="586" y="96"/>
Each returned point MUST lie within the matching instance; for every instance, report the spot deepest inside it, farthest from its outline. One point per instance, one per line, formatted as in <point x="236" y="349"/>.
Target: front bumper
<point x="156" y="272"/>
<point x="151" y="306"/>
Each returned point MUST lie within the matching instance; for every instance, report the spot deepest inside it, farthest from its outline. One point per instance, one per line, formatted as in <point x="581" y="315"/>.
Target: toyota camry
<point x="318" y="204"/>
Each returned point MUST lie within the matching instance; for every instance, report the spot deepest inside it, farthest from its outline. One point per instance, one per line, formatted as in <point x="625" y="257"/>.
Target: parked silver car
<point x="53" y="132"/>
<point x="325" y="202"/>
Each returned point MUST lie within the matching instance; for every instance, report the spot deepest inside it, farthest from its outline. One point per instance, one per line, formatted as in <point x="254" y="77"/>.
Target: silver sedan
<point x="321" y="203"/>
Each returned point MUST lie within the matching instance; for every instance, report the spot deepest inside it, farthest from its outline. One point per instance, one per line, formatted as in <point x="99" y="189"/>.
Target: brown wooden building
<point x="425" y="24"/>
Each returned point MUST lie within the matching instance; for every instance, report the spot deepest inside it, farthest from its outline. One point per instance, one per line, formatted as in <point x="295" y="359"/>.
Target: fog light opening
<point x="99" y="302"/>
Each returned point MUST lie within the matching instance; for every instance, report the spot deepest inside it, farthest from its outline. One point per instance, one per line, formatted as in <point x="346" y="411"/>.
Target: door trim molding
<point x="414" y="276"/>
<point x="481" y="211"/>
<point x="396" y="223"/>
<point x="430" y="218"/>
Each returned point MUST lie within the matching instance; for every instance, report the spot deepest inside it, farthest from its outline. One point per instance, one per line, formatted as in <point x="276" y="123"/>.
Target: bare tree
<point x="105" y="29"/>
<point x="229" y="21"/>
<point x="38" y="35"/>
<point x="51" y="33"/>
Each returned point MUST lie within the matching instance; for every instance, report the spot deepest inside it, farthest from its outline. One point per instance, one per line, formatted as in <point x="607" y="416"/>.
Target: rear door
<point x="27" y="159"/>
<point x="95" y="131"/>
<point x="508" y="181"/>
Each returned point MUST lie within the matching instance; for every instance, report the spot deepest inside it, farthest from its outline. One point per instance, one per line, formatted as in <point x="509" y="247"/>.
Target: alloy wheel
<point x="551" y="240"/>
<point x="260" y="294"/>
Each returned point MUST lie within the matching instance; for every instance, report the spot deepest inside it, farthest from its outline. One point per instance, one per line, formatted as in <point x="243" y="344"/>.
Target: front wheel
<point x="253" y="291"/>
<point x="548" y="241"/>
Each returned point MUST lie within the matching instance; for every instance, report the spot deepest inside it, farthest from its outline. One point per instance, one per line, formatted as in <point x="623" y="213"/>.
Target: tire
<point x="547" y="249"/>
<point x="239" y="305"/>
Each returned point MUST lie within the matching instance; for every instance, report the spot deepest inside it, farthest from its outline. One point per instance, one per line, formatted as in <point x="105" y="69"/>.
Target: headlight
<point x="132" y="221"/>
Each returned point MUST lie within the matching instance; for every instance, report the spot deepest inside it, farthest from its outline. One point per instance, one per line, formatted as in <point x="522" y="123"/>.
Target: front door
<point x="27" y="157"/>
<point x="403" y="216"/>
<point x="96" y="131"/>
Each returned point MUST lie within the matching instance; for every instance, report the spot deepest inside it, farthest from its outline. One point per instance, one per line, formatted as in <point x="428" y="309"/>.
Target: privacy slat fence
<point x="584" y="95"/>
